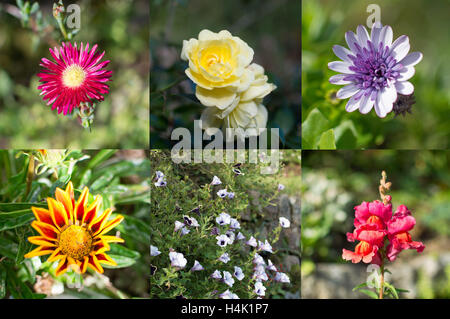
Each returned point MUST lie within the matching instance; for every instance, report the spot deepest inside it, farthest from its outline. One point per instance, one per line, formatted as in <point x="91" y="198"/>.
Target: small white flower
<point x="224" y="258"/>
<point x="228" y="278"/>
<point x="216" y="275"/>
<point x="230" y="195"/>
<point x="240" y="236"/>
<point x="230" y="236"/>
<point x="154" y="251"/>
<point x="260" y="290"/>
<point x="252" y="242"/>
<point x="161" y="182"/>
<point x="228" y="295"/>
<point x="178" y="225"/>
<point x="238" y="273"/>
<point x="197" y="266"/>
<point x="159" y="175"/>
<point x="284" y="222"/>
<point x="216" y="181"/>
<point x="223" y="240"/>
<point x="260" y="273"/>
<point x="184" y="231"/>
<point x="282" y="277"/>
<point x="190" y="221"/>
<point x="258" y="260"/>
<point x="271" y="266"/>
<point x="177" y="260"/>
<point x="234" y="223"/>
<point x="222" y="193"/>
<point x="223" y="219"/>
<point x="265" y="246"/>
<point x="280" y="187"/>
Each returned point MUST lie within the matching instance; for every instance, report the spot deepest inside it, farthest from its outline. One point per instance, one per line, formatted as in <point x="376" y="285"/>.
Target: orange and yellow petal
<point x="65" y="200"/>
<point x="58" y="213"/>
<point x="46" y="230"/>
<point x="110" y="239"/>
<point x="94" y="264"/>
<point x="40" y="251"/>
<point x="84" y="264"/>
<point x="80" y="206"/>
<point x="109" y="225"/>
<point x="98" y="223"/>
<point x="91" y="213"/>
<point x="42" y="215"/>
<point x="62" y="266"/>
<point x="105" y="259"/>
<point x="41" y="241"/>
<point x="56" y="255"/>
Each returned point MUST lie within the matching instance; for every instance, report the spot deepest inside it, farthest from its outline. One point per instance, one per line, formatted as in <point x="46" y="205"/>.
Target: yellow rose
<point x="218" y="65"/>
<point x="246" y="111"/>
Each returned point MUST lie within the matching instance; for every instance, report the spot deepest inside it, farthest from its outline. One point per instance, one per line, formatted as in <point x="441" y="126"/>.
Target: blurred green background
<point x="324" y="24"/>
<point x="118" y="27"/>
<point x="271" y="28"/>
<point x="336" y="181"/>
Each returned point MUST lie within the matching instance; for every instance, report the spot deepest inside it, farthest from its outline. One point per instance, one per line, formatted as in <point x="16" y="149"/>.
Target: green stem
<point x="62" y="28"/>
<point x="30" y="175"/>
<point x="381" y="280"/>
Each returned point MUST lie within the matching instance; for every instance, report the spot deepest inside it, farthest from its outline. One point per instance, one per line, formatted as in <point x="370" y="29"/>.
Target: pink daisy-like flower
<point x="76" y="76"/>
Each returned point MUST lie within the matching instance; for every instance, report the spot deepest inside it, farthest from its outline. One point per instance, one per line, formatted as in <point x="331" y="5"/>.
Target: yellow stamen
<point x="76" y="242"/>
<point x="73" y="76"/>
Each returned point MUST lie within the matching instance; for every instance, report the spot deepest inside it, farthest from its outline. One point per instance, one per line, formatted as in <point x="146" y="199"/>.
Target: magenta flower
<point x="398" y="233"/>
<point x="75" y="76"/>
<point x="374" y="70"/>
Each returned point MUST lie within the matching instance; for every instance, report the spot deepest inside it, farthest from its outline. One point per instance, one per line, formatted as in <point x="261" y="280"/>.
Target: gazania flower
<point x="75" y="76"/>
<point x="74" y="233"/>
<point x="374" y="70"/>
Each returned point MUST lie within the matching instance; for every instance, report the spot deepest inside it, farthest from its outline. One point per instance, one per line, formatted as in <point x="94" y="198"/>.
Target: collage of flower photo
<point x="176" y="153"/>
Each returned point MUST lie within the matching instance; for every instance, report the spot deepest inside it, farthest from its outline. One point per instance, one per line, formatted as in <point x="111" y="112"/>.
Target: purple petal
<point x="340" y="79"/>
<point x="363" y="36"/>
<point x="386" y="36"/>
<point x="342" y="53"/>
<point x="351" y="41"/>
<point x="339" y="66"/>
<point x="406" y="73"/>
<point x="412" y="59"/>
<point x="366" y="103"/>
<point x="347" y="91"/>
<point x="405" y="88"/>
<point x="400" y="48"/>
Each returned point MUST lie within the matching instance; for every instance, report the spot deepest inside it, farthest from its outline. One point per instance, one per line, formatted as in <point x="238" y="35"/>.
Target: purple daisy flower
<point x="374" y="70"/>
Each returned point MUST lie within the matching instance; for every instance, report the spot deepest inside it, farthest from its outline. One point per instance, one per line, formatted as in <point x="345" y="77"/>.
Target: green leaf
<point x="101" y="156"/>
<point x="136" y="229"/>
<point x="8" y="248"/>
<point x="124" y="257"/>
<point x="346" y="135"/>
<point x="326" y="141"/>
<point x="369" y="293"/>
<point x="312" y="128"/>
<point x="391" y="289"/>
<point x="15" y="219"/>
<point x="10" y="207"/>
<point x="364" y="284"/>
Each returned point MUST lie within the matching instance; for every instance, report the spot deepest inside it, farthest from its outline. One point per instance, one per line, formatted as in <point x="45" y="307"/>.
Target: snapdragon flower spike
<point x="75" y="76"/>
<point x="398" y="233"/>
<point x="374" y="70"/>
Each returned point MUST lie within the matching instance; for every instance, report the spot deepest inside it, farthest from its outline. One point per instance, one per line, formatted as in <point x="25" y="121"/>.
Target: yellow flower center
<point x="76" y="242"/>
<point x="216" y="61"/>
<point x="73" y="76"/>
